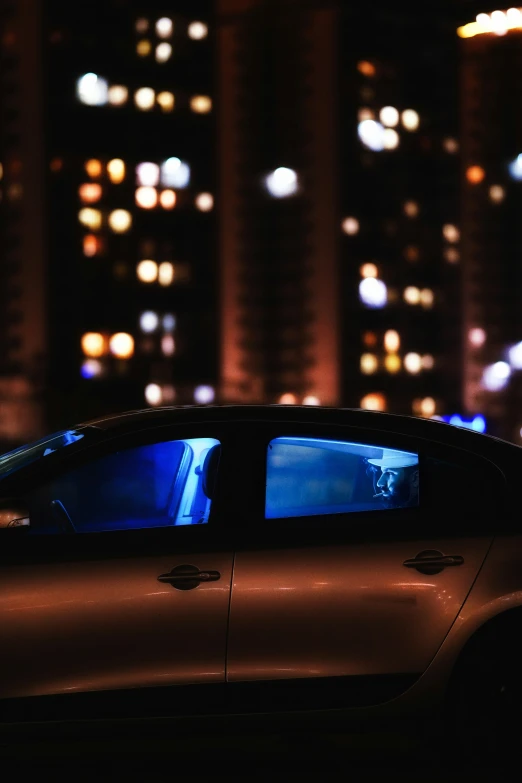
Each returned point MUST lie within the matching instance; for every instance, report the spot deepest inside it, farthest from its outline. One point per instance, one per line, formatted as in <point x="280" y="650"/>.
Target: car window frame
<point x="21" y="545"/>
<point x="364" y="525"/>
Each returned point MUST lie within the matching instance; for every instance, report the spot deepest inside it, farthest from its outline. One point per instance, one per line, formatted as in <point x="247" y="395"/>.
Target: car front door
<point x="341" y="584"/>
<point x="122" y="579"/>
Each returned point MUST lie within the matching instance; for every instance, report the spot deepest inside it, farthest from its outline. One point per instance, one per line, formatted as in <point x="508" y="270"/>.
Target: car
<point x="261" y="560"/>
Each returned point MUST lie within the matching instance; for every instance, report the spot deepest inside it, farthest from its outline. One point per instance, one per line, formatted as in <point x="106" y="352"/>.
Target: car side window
<point x="157" y="485"/>
<point x="315" y="476"/>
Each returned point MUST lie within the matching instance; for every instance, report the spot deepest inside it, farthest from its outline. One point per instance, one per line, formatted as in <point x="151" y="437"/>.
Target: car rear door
<point x="350" y="599"/>
<point x="134" y="595"/>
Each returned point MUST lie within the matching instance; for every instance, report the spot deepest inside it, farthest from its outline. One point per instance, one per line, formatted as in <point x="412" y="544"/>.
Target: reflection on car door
<point x="87" y="611"/>
<point x="315" y="601"/>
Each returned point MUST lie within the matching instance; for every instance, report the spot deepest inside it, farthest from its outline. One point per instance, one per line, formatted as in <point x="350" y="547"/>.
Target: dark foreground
<point x="159" y="751"/>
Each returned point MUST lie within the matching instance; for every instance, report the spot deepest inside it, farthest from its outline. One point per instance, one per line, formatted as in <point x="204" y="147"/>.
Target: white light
<point x="197" y="31"/>
<point x="373" y="292"/>
<point x="483" y="19"/>
<point x="92" y="90"/>
<point x="175" y="173"/>
<point x="514" y="16"/>
<point x="204" y="202"/>
<point x="371" y="133"/>
<point x="149" y="321"/>
<point x="450" y="233"/>
<point x="515" y="356"/>
<point x="499" y="22"/>
<point x="204" y="394"/>
<point x="121" y="345"/>
<point x="120" y="220"/>
<point x="411" y="295"/>
<point x="389" y="116"/>
<point x="282" y="182"/>
<point x="153" y="394"/>
<point x="144" y="98"/>
<point x="169" y="322"/>
<point x="166" y="273"/>
<point x="350" y="226"/>
<point x="311" y="399"/>
<point x="147" y="174"/>
<point x="413" y="363"/>
<point x="477" y="336"/>
<point x="164" y="27"/>
<point x="390" y="139"/>
<point x="496" y="376"/>
<point x="497" y="193"/>
<point x="515" y="167"/>
<point x="117" y="95"/>
<point x="168" y="346"/>
<point x="146" y="197"/>
<point x="147" y="271"/>
<point x="410" y="119"/>
<point x="163" y="52"/>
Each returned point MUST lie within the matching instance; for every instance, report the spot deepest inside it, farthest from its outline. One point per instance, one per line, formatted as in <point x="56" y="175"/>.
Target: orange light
<point x="92" y="245"/>
<point x="370" y="339"/>
<point x="121" y="345"/>
<point x="167" y="199"/>
<point x="93" y="344"/>
<point x="146" y="197"/>
<point x="93" y="168"/>
<point x="475" y="174"/>
<point x="366" y="68"/>
<point x="56" y="165"/>
<point x="374" y="402"/>
<point x="288" y="399"/>
<point x="90" y="192"/>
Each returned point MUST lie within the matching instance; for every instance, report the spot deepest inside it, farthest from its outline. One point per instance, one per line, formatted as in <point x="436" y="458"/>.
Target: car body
<point x="217" y="560"/>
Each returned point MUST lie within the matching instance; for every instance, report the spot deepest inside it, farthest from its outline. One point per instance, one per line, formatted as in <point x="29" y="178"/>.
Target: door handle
<point x="433" y="562"/>
<point x="187" y="577"/>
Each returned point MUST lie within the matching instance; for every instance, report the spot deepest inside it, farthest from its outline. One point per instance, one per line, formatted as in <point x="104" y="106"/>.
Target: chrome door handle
<point x="187" y="577"/>
<point x="433" y="562"/>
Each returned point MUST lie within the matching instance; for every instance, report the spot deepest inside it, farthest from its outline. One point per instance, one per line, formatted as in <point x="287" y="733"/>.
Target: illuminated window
<point x="390" y="139"/>
<point x="450" y="233"/>
<point x="411" y="295"/>
<point x="365" y="114"/>
<point x="428" y="362"/>
<point x="205" y="394"/>
<point x="120" y="221"/>
<point x="452" y="255"/>
<point x="475" y="174"/>
<point x="165" y="101"/>
<point x="147" y="174"/>
<point x="201" y="104"/>
<point x="168" y="322"/>
<point x="374" y="402"/>
<point x="350" y="226"/>
<point x="167" y="199"/>
<point x="121" y="345"/>
<point x="426" y="297"/>
<point x="116" y="170"/>
<point x="411" y="209"/>
<point x="146" y="197"/>
<point x="424" y="407"/>
<point x="410" y="119"/>
<point x="163" y="52"/>
<point x="497" y="193"/>
<point x="282" y="182"/>
<point x="153" y="394"/>
<point x="392" y="362"/>
<point x="92" y="90"/>
<point x="366" y="68"/>
<point x="369" y="339"/>
<point x="413" y="363"/>
<point x="117" y="95"/>
<point x="143" y="48"/>
<point x="389" y="116"/>
<point x="166" y="273"/>
<point x="392" y="341"/>
<point x="168" y="345"/>
<point x="92" y="245"/>
<point x="368" y="270"/>
<point x="91" y="368"/>
<point x="496" y="376"/>
<point x="288" y="399"/>
<point x="477" y="336"/>
<point x="94" y="344"/>
<point x="368" y="363"/>
<point x="142" y="25"/>
<point x="373" y="292"/>
<point x="147" y="271"/>
<point x="372" y="134"/>
<point x="91" y="218"/>
<point x="149" y="321"/>
<point x="311" y="399"/>
<point x="175" y="173"/>
<point x="93" y="168"/>
<point x="450" y="145"/>
<point x="90" y="192"/>
<point x="204" y="202"/>
<point x="144" y="98"/>
<point x="197" y="31"/>
<point x="164" y="27"/>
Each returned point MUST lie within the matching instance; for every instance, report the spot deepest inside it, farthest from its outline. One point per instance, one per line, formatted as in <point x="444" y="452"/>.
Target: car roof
<point x="431" y="429"/>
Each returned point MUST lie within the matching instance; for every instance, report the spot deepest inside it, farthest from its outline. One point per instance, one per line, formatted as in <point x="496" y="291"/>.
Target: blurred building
<point x="491" y="120"/>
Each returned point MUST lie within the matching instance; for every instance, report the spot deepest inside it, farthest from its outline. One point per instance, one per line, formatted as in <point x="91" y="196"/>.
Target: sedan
<point x="275" y="560"/>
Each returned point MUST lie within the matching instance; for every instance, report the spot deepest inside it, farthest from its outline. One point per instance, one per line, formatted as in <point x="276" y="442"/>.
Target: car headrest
<point x="209" y="470"/>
